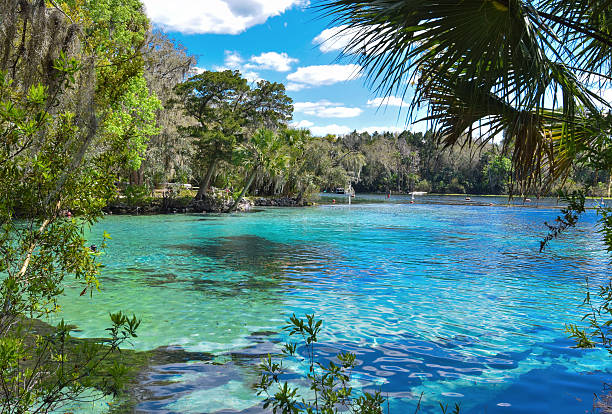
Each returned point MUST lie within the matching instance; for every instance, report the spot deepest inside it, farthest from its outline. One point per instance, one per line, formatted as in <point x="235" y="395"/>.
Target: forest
<point x="213" y="129"/>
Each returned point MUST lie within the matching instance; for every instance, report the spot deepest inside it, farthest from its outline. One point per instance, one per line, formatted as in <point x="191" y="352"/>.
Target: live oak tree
<point x="228" y="111"/>
<point x="217" y="101"/>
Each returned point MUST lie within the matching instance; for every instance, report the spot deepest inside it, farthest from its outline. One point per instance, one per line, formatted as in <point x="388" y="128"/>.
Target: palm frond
<point x="509" y="65"/>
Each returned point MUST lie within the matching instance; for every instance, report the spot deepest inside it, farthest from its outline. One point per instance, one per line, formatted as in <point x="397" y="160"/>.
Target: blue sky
<point x="281" y="41"/>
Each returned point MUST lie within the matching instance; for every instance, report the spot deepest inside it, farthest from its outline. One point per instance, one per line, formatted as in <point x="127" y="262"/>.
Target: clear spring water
<point x="454" y="302"/>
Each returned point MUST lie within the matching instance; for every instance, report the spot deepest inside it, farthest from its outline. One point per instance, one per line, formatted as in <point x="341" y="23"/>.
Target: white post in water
<point x="350" y="191"/>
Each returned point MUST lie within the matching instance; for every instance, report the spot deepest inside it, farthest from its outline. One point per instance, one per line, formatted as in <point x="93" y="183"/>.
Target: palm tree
<point x="262" y="152"/>
<point x="532" y="69"/>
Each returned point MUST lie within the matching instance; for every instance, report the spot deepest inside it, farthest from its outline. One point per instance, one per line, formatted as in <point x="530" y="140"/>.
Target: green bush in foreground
<point x="74" y="110"/>
<point x="330" y="384"/>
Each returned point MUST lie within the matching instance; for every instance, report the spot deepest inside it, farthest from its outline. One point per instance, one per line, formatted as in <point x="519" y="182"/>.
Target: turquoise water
<point x="454" y="302"/>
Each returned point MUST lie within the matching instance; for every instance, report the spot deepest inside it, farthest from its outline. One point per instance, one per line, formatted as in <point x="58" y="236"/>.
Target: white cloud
<point x="339" y="37"/>
<point x="388" y="101"/>
<point x="326" y="109"/>
<point x="250" y="76"/>
<point x="196" y="71"/>
<point x="320" y="131"/>
<point x="269" y="60"/>
<point x="322" y="75"/>
<point x="335" y="129"/>
<point x="333" y="39"/>
<point x="233" y="61"/>
<point x="280" y="62"/>
<point x="215" y="16"/>
<point x="302" y="124"/>
<point x="294" y="87"/>
<point x="338" y="112"/>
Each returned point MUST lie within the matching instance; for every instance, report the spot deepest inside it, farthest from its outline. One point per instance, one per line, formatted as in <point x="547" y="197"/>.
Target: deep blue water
<point x="451" y="302"/>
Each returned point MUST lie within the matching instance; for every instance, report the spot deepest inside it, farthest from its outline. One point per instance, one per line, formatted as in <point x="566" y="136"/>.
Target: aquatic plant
<point x="329" y="383"/>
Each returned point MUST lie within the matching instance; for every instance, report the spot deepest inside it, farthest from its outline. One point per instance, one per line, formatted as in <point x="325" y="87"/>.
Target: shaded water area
<point x="452" y="301"/>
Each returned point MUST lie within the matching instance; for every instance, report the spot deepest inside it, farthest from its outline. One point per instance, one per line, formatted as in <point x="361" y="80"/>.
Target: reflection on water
<point x="454" y="302"/>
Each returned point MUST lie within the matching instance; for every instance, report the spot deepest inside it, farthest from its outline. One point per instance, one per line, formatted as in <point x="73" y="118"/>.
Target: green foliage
<point x="74" y="110"/>
<point x="263" y="152"/>
<point x="137" y="195"/>
<point x="131" y="121"/>
<point x="403" y="162"/>
<point x="117" y="27"/>
<point x="568" y="218"/>
<point x="605" y="226"/>
<point x="598" y="300"/>
<point x="42" y="369"/>
<point x="455" y="410"/>
<point x="497" y="174"/>
<point x="598" y="318"/>
<point x="228" y="113"/>
<point x="329" y="383"/>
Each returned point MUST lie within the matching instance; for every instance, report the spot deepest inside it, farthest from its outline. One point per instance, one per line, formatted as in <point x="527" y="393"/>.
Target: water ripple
<point x="450" y="301"/>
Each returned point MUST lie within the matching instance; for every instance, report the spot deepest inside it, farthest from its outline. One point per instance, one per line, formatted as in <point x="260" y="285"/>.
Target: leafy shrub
<point x="423" y="185"/>
<point x="330" y="383"/>
<point x="137" y="195"/>
<point x="456" y="187"/>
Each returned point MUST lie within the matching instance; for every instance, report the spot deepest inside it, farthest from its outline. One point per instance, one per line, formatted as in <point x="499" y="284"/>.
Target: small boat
<point x="468" y="199"/>
<point x="339" y="190"/>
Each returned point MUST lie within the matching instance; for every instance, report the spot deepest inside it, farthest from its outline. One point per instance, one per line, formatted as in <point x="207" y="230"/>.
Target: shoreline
<point x="216" y="206"/>
<point x="183" y="206"/>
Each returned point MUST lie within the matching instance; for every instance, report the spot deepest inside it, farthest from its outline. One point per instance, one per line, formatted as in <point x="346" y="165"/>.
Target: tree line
<point x="409" y="161"/>
<point x="217" y="130"/>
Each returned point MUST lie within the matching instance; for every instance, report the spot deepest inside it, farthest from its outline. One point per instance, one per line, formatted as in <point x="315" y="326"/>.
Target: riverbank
<point x="217" y="203"/>
<point x="220" y="202"/>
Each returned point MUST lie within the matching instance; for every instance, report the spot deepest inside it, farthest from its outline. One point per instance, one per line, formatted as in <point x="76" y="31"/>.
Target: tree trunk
<point x="206" y="183"/>
<point x="244" y="190"/>
<point x="137" y="177"/>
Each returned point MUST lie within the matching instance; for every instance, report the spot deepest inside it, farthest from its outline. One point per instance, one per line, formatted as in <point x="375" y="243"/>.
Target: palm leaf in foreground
<point x="527" y="69"/>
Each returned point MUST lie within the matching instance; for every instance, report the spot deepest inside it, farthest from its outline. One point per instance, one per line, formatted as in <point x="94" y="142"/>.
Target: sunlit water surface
<point x="453" y="303"/>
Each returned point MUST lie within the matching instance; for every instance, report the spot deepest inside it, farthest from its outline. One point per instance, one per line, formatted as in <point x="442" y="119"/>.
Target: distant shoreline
<point x="156" y="208"/>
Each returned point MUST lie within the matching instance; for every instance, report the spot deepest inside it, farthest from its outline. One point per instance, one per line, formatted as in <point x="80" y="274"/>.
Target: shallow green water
<point x="452" y="301"/>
